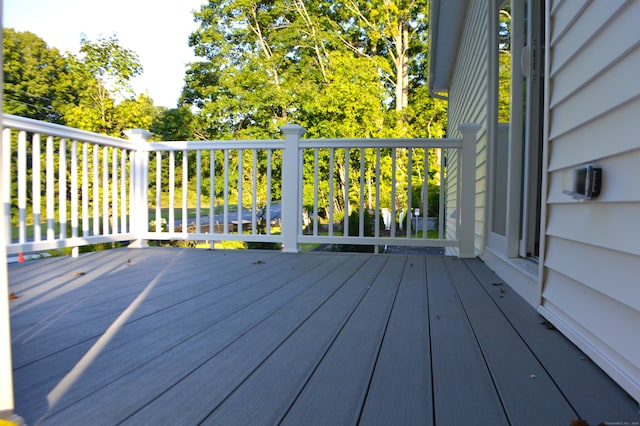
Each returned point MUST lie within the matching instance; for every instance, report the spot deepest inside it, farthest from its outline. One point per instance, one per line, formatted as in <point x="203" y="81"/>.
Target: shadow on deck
<point x="187" y="336"/>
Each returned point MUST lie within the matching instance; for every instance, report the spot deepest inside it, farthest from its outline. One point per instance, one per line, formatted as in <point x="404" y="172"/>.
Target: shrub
<point x="354" y="231"/>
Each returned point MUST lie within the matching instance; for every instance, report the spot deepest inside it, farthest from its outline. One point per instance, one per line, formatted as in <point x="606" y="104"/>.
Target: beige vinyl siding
<point x="591" y="261"/>
<point x="468" y="103"/>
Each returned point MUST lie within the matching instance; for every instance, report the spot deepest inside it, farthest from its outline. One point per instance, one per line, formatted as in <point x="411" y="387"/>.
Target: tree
<point x="77" y="91"/>
<point x="36" y="77"/>
<point x="177" y="124"/>
<point x="138" y="113"/>
<point x="388" y="29"/>
<point x="340" y="69"/>
<point x="90" y="91"/>
<point x="103" y="71"/>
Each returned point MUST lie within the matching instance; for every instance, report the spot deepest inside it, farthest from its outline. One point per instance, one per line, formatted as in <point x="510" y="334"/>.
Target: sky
<point x="156" y="30"/>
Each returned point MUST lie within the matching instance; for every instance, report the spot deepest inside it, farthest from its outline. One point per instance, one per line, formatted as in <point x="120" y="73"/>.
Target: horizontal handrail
<point x="207" y="145"/>
<point x="381" y="143"/>
<point x="57" y="130"/>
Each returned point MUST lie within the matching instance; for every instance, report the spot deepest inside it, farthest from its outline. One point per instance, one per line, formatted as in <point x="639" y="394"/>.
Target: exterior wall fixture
<point x="587" y="182"/>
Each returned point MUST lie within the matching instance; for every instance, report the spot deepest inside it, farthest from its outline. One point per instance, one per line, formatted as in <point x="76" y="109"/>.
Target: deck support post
<point x="291" y="188"/>
<point x="467" y="188"/>
<point x="140" y="176"/>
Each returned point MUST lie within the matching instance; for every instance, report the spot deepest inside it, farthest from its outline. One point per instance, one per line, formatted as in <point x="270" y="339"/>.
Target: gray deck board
<point x="91" y="312"/>
<point x="575" y="374"/>
<point x="276" y="383"/>
<point x="186" y="336"/>
<point x="228" y="369"/>
<point x="177" y="354"/>
<point x="140" y="331"/>
<point x="526" y="389"/>
<point x="400" y="390"/>
<point x="463" y="390"/>
<point x="336" y="391"/>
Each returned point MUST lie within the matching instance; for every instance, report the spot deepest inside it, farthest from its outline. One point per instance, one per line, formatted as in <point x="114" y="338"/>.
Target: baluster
<point x="185" y="189"/>
<point x="425" y="195"/>
<point x="393" y="192"/>
<point x="254" y="183"/>
<point x="36" y="187"/>
<point x="123" y="191"/>
<point x="268" y="212"/>
<point x="74" y="188"/>
<point x="240" y="178"/>
<point x="96" y="189"/>
<point x="361" y="212"/>
<point x="172" y="190"/>
<point x="6" y="180"/>
<point x="85" y="189"/>
<point x="347" y="184"/>
<point x="105" y="192"/>
<point x="114" y="190"/>
<point x="158" y="220"/>
<point x="198" y="187"/>
<point x="62" y="188"/>
<point x="408" y="216"/>
<point x="378" y="206"/>
<point x="212" y="189"/>
<point x="331" y="183"/>
<point x="22" y="186"/>
<point x="225" y="215"/>
<point x="316" y="185"/>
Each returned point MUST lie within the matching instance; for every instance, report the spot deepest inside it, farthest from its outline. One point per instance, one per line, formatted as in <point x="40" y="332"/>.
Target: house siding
<point x="468" y="103"/>
<point x="590" y="285"/>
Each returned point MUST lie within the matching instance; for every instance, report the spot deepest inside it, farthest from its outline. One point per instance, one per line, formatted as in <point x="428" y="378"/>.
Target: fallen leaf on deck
<point x="548" y="325"/>
<point x="78" y="274"/>
<point x="579" y="422"/>
<point x="13" y="296"/>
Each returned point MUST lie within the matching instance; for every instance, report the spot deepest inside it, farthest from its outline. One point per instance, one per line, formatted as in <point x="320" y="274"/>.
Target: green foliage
<point x="504" y="87"/>
<point x="332" y="67"/>
<point x="354" y="223"/>
<point x="109" y="62"/>
<point x="90" y="91"/>
<point x="36" y="77"/>
<point x="261" y="228"/>
<point x="342" y="70"/>
<point x="177" y="124"/>
<point x="354" y="231"/>
<point x="433" y="206"/>
<point x="504" y="64"/>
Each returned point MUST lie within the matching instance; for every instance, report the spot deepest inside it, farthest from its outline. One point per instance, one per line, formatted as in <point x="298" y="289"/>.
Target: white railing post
<point x="291" y="187"/>
<point x="467" y="188"/>
<point x="6" y="367"/>
<point x="139" y="203"/>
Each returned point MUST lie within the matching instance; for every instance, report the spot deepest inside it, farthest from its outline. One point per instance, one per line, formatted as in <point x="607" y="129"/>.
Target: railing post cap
<point x="138" y="134"/>
<point x="469" y="127"/>
<point x="293" y="129"/>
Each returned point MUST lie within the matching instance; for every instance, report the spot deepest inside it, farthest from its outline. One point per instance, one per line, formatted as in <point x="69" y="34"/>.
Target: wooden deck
<point x="188" y="336"/>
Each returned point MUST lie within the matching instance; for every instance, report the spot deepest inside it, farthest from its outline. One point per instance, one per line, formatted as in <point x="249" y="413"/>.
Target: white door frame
<point x="524" y="152"/>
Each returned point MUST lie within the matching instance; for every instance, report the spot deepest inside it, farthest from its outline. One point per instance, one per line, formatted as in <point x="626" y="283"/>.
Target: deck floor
<point x="188" y="336"/>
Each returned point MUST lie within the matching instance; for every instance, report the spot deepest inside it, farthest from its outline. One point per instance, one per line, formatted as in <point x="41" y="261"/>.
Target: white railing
<point x="245" y="199"/>
<point x="87" y="188"/>
<point x="64" y="187"/>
